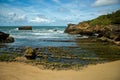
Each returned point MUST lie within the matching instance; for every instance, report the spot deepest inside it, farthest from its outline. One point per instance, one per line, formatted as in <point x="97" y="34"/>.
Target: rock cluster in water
<point x="6" y="38"/>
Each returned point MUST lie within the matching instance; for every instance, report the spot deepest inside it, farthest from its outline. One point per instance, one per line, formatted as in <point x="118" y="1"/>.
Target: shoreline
<point x="21" y="71"/>
<point x="88" y="51"/>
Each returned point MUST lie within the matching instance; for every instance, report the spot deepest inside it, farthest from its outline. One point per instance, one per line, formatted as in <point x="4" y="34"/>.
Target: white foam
<point x="50" y="30"/>
<point x="16" y="28"/>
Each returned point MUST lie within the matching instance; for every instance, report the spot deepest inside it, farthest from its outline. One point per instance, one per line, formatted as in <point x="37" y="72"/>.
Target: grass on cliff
<point x="113" y="18"/>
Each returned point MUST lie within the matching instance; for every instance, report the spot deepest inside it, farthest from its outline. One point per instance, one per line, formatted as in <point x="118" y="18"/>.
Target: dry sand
<point x="20" y="71"/>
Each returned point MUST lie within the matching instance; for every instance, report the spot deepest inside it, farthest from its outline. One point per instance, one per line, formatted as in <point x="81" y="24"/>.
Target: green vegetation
<point x="113" y="18"/>
<point x="7" y="56"/>
<point x="105" y="50"/>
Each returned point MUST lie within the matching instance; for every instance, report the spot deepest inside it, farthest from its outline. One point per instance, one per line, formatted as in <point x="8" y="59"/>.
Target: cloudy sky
<point x="53" y="12"/>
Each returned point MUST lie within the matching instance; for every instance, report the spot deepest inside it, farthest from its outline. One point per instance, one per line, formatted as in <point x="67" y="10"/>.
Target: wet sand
<point x="21" y="71"/>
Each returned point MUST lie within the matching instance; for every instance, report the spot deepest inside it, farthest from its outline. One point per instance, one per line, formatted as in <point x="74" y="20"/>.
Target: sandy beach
<point x="21" y="71"/>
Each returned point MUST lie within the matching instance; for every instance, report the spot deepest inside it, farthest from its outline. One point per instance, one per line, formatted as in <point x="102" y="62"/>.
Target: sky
<point x="53" y="12"/>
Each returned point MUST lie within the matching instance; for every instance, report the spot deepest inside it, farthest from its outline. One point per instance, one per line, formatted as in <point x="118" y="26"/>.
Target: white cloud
<point x="21" y="17"/>
<point x="56" y="1"/>
<point x="41" y="20"/>
<point x="15" y="17"/>
<point x="105" y="2"/>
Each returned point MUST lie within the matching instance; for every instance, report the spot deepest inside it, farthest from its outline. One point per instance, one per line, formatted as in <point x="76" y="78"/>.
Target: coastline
<point x="21" y="71"/>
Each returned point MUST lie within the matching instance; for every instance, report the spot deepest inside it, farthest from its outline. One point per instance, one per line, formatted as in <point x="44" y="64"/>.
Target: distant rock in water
<point x="55" y="30"/>
<point x="25" y="28"/>
<point x="5" y="38"/>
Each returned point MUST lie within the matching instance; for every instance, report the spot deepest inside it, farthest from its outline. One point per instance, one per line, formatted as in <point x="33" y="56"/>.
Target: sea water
<point x="40" y="36"/>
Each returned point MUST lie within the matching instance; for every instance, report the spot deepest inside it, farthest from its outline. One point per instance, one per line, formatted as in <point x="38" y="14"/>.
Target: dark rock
<point x="5" y="38"/>
<point x="25" y="28"/>
<point x="55" y="30"/>
<point x="10" y="39"/>
<point x="89" y="33"/>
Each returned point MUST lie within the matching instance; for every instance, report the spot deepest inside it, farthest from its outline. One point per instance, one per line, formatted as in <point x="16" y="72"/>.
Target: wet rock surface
<point x="5" y="38"/>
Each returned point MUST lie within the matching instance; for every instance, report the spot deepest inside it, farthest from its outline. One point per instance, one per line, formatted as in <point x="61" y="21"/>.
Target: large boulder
<point x="5" y="38"/>
<point x="30" y="53"/>
<point x="25" y="28"/>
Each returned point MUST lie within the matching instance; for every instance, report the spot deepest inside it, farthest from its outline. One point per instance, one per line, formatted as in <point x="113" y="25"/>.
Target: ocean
<point x="40" y="36"/>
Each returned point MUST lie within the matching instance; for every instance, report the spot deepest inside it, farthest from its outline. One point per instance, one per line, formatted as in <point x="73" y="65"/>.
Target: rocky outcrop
<point x="25" y="28"/>
<point x="71" y="29"/>
<point x="110" y="33"/>
<point x="30" y="53"/>
<point x="5" y="38"/>
<point x="107" y="27"/>
<point x="81" y="28"/>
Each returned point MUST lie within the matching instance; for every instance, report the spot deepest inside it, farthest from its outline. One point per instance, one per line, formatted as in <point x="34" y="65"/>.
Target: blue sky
<point x="53" y="12"/>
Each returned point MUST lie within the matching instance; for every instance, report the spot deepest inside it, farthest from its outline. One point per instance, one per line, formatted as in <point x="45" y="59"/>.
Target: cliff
<point x="107" y="26"/>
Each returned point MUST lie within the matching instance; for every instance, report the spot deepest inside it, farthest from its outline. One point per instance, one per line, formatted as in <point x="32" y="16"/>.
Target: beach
<point x="22" y="71"/>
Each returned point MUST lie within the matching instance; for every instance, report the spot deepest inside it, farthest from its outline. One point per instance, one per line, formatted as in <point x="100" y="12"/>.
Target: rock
<point x="10" y="39"/>
<point x="102" y="39"/>
<point x="25" y="28"/>
<point x="21" y="59"/>
<point x="5" y="38"/>
<point x="112" y="35"/>
<point x="30" y="53"/>
<point x="117" y="38"/>
<point x="117" y="43"/>
<point x="55" y="30"/>
<point x="70" y="29"/>
<point x="105" y="30"/>
<point x="81" y="28"/>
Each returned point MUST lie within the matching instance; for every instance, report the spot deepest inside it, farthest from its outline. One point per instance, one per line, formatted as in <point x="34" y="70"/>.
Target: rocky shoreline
<point x="88" y="51"/>
<point x="97" y="48"/>
<point x="110" y="33"/>
<point x="106" y="28"/>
